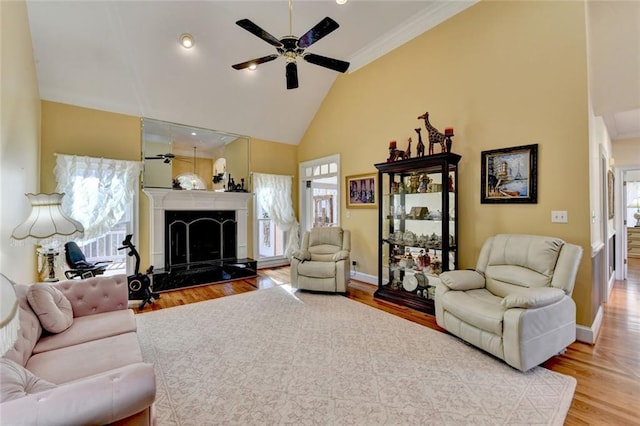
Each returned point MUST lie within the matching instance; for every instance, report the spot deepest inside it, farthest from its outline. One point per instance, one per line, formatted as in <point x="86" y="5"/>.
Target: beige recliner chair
<point x="517" y="303"/>
<point x="322" y="263"/>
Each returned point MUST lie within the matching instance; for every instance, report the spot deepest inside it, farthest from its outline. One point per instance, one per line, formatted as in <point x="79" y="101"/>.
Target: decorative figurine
<point x="394" y="153"/>
<point x="408" y="151"/>
<point x="436" y="264"/>
<point x="448" y="134"/>
<point x="434" y="134"/>
<point x="424" y="182"/>
<point x="414" y="183"/>
<point x="420" y="146"/>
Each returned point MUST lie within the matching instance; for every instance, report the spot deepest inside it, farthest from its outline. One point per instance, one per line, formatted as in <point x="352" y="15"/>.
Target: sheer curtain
<point x="274" y="194"/>
<point x="98" y="190"/>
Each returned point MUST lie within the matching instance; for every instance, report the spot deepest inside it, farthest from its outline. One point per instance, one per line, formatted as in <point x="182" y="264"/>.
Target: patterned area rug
<point x="272" y="357"/>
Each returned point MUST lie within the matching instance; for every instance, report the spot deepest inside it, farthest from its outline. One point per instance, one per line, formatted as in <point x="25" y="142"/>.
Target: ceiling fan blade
<point x="323" y="61"/>
<point x="257" y="61"/>
<point x="257" y="31"/>
<point x="322" y="28"/>
<point x="168" y="155"/>
<point x="292" y="75"/>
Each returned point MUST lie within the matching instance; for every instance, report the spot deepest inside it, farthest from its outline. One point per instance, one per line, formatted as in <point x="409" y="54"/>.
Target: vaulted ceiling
<point x="124" y="56"/>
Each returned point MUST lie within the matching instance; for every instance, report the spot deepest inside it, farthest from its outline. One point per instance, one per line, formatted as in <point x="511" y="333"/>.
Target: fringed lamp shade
<point x="48" y="226"/>
<point x="47" y="222"/>
<point x="9" y="319"/>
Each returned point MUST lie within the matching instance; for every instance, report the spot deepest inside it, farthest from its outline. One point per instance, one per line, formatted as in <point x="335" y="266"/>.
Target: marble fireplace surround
<point x="169" y="199"/>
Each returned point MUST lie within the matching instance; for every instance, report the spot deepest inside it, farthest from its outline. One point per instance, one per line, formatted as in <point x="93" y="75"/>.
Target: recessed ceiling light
<point x="341" y="1"/>
<point x="186" y="40"/>
<point x="193" y="133"/>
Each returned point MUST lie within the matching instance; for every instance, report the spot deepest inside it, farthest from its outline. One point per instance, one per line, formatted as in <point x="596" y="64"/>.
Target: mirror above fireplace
<point x="179" y="156"/>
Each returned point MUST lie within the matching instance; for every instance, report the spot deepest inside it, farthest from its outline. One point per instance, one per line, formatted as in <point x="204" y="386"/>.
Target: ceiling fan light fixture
<point x="252" y="67"/>
<point x="341" y="1"/>
<point x="186" y="40"/>
<point x="291" y="48"/>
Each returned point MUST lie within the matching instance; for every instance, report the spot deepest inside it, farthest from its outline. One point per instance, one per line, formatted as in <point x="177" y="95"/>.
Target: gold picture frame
<point x="362" y="191"/>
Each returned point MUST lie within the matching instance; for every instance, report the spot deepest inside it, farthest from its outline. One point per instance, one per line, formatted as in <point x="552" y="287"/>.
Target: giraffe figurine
<point x="434" y="134"/>
<point x="420" y="146"/>
<point x="407" y="153"/>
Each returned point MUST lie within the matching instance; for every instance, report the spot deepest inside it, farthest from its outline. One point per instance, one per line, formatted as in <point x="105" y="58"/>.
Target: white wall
<point x="599" y="145"/>
<point x="19" y="137"/>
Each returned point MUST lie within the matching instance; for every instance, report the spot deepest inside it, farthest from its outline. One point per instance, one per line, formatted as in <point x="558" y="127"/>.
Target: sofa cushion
<point x="477" y="307"/>
<point x="17" y="381"/>
<point x="96" y="295"/>
<point x="86" y="359"/>
<point x="52" y="307"/>
<point x="91" y="327"/>
<point x="315" y="269"/>
<point x="331" y="236"/>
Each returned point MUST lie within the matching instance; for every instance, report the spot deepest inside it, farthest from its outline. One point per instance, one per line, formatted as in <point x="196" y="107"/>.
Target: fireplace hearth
<point x="198" y="237"/>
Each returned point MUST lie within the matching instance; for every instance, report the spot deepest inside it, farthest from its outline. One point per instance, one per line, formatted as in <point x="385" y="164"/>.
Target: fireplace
<point x="198" y="237"/>
<point x="194" y="237"/>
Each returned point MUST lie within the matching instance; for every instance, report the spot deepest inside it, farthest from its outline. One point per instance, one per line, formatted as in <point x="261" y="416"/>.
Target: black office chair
<point x="79" y="267"/>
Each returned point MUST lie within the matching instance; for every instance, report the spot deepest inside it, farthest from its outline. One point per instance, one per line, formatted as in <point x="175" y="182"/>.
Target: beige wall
<point x="626" y="152"/>
<point x="19" y="137"/>
<point x="502" y="74"/>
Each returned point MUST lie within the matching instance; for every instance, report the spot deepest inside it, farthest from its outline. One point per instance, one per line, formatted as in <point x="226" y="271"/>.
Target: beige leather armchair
<point x="517" y="303"/>
<point x="322" y="263"/>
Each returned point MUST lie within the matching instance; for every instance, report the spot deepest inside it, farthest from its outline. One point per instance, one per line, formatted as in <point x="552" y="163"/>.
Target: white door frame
<point x="621" y="227"/>
<point x="305" y="203"/>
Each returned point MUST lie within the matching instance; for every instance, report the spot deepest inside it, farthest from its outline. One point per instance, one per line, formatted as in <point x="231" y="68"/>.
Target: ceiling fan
<point x="166" y="157"/>
<point x="292" y="48"/>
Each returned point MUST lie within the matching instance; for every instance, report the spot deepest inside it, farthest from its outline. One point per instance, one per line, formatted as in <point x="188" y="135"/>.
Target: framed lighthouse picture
<point x="510" y="175"/>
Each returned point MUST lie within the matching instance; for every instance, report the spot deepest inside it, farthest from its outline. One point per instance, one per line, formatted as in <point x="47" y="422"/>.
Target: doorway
<point x="319" y="193"/>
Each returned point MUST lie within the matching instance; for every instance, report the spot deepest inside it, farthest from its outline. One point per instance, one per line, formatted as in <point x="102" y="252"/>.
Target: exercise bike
<point x="140" y="287"/>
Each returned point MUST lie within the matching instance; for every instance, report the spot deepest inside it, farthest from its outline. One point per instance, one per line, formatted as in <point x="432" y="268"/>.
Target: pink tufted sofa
<point x="89" y="374"/>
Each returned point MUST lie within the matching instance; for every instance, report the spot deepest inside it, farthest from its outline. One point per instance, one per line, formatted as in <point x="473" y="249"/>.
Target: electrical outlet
<point x="559" y="216"/>
<point x="354" y="263"/>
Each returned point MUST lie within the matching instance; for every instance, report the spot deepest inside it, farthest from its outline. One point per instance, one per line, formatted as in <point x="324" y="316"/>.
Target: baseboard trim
<point x="587" y="334"/>
<point x="273" y="263"/>
<point x="369" y="279"/>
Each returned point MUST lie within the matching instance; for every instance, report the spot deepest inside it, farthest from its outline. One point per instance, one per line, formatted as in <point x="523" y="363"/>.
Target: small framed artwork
<point x="510" y="175"/>
<point x="610" y="199"/>
<point x="362" y="191"/>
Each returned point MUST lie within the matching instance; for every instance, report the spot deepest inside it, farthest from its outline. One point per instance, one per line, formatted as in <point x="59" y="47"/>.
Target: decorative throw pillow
<point x="52" y="307"/>
<point x="17" y="381"/>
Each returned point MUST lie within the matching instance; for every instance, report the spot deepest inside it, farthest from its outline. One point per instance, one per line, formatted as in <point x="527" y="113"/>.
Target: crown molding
<point x="436" y="13"/>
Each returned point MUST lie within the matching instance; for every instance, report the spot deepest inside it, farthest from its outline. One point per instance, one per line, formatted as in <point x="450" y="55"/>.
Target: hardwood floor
<point x="608" y="373"/>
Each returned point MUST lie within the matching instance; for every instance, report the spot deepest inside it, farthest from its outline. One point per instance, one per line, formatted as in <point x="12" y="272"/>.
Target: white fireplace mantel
<point x="162" y="199"/>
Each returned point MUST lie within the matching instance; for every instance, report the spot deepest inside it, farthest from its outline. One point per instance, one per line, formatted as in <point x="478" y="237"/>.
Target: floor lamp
<point x="48" y="226"/>
<point x="635" y="203"/>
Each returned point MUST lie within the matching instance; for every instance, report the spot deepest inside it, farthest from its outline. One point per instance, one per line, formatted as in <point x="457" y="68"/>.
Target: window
<point x="277" y="228"/>
<point x="102" y="195"/>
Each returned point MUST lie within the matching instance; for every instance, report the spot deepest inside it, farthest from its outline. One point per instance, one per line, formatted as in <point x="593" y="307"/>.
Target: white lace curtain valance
<point x="98" y="190"/>
<point x="274" y="195"/>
